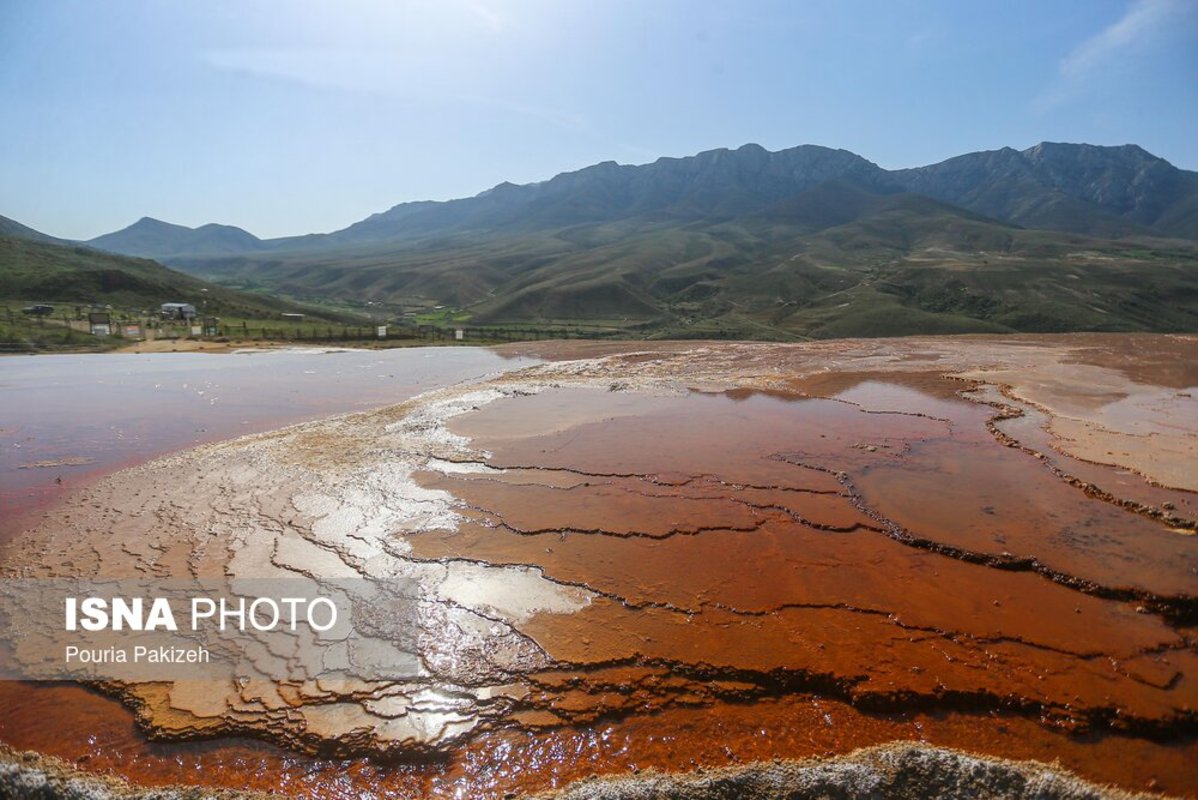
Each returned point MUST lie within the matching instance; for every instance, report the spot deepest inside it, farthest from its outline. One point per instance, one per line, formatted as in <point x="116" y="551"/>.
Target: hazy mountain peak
<point x="153" y="223"/>
<point x="1075" y="187"/>
<point x="1083" y="188"/>
<point x="1117" y="154"/>
<point x="154" y="238"/>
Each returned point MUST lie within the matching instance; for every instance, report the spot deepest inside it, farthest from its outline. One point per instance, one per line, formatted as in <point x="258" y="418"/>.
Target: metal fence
<point x="36" y="334"/>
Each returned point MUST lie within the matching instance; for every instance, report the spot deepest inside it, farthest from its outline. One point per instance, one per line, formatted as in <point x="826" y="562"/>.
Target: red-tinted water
<point x="773" y="577"/>
<point x="67" y="419"/>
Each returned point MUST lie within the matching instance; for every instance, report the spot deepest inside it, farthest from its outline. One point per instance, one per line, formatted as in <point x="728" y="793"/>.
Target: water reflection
<point x="68" y="418"/>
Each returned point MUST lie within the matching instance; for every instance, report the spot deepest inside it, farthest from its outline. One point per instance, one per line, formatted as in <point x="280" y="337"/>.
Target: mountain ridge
<point x="808" y="242"/>
<point x="1079" y="188"/>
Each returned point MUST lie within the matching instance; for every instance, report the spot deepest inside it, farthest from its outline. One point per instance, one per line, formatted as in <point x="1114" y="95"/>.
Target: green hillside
<point x="35" y="271"/>
<point x="68" y="276"/>
<point x="834" y="261"/>
<point x="798" y="243"/>
<point x="10" y="227"/>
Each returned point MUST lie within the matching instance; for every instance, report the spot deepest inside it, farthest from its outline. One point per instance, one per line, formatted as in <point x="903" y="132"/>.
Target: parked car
<point x="177" y="311"/>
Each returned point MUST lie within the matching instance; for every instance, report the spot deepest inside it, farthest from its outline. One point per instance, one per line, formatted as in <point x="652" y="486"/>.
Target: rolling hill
<point x="10" y="227"/>
<point x="152" y="238"/>
<point x="35" y="267"/>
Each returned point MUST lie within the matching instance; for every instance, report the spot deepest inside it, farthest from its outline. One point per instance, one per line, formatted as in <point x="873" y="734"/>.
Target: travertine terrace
<point x="711" y="554"/>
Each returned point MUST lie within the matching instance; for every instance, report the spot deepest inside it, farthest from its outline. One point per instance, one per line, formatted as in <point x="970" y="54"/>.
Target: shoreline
<point x="580" y="347"/>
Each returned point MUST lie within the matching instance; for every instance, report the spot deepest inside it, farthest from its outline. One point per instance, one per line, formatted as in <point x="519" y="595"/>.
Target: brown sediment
<point x="100" y="738"/>
<point x="940" y="481"/>
<point x="820" y="595"/>
<point x="1023" y="425"/>
<point x="697" y="555"/>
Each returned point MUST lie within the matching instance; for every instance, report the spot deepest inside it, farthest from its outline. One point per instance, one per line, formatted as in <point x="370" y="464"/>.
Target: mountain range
<point x="1106" y="191"/>
<point x="808" y="241"/>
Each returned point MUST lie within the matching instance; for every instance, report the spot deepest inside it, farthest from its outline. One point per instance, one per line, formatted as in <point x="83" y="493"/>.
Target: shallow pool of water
<point x="65" y="419"/>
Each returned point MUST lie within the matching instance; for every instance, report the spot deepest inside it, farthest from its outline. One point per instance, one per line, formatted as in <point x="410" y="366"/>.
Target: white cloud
<point x="330" y="69"/>
<point x="380" y="73"/>
<point x="487" y="17"/>
<point x="1144" y="22"/>
<point x="922" y="39"/>
<point x="1137" y="29"/>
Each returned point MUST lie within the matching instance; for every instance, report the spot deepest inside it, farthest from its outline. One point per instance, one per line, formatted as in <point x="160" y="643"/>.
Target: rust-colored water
<point x="773" y="576"/>
<point x="97" y="734"/>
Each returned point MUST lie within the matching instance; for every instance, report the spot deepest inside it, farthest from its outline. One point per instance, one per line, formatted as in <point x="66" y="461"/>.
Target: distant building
<point x="177" y="311"/>
<point x="99" y="323"/>
<point x="292" y="316"/>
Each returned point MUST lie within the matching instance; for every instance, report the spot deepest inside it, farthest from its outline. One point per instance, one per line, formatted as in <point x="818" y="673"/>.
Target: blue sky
<point x="296" y="117"/>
